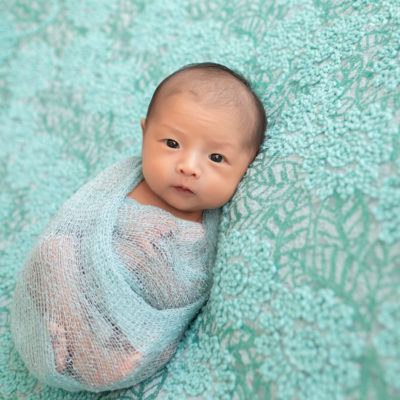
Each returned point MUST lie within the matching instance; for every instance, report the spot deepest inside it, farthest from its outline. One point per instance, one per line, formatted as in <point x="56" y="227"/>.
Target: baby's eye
<point x="172" y="143"/>
<point x="216" y="158"/>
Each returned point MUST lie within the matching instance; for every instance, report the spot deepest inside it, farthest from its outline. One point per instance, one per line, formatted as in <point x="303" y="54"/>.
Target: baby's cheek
<point x="222" y="191"/>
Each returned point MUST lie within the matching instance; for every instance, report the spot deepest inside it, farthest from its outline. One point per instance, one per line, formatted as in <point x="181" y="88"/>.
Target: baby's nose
<point x="189" y="167"/>
<point x="187" y="172"/>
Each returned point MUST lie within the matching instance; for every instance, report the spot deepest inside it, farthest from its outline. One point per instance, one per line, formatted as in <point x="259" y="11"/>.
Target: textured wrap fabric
<point x="116" y="280"/>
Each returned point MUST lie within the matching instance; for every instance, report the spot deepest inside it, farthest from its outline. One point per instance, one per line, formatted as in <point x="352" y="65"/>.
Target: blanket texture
<point x="305" y="297"/>
<point x="110" y="286"/>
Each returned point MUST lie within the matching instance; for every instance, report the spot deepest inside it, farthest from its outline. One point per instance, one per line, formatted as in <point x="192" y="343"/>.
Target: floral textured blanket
<point x="305" y="300"/>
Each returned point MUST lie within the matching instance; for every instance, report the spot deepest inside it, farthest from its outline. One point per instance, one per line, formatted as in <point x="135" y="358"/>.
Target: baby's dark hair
<point x="222" y="94"/>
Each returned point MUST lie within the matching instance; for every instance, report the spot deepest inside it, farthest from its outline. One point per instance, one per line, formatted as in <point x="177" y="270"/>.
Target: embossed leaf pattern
<point x="305" y="302"/>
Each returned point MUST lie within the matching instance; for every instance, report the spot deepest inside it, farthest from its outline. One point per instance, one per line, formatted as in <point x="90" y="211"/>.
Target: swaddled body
<point x="117" y="288"/>
<point x="113" y="281"/>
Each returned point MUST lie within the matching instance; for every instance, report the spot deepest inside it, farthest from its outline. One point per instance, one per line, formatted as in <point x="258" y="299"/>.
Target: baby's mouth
<point x="183" y="189"/>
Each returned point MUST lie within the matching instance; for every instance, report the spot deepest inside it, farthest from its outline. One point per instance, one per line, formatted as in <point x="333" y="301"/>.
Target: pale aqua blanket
<point x="305" y="301"/>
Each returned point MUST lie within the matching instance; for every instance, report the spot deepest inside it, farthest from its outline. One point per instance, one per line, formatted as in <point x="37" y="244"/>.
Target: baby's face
<point x="194" y="155"/>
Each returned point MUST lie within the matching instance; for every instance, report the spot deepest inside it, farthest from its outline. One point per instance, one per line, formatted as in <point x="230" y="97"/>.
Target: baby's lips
<point x="183" y="188"/>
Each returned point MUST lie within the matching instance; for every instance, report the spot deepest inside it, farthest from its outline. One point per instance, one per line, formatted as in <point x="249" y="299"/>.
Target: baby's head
<point x="203" y="128"/>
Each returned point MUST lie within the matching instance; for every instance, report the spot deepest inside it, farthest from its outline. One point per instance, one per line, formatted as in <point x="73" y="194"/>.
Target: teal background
<point x="306" y="298"/>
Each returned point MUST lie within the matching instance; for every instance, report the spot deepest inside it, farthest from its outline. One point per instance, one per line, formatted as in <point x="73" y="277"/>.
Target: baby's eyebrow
<point x="222" y="144"/>
<point x="173" y="129"/>
<point x="212" y="142"/>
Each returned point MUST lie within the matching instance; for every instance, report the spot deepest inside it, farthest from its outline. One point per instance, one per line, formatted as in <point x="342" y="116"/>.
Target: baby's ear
<point x="143" y="124"/>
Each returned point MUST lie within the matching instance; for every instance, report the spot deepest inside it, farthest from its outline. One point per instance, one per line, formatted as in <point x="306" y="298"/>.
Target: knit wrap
<point x="110" y="279"/>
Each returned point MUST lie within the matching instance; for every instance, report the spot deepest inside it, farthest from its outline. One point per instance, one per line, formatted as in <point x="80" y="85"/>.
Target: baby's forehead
<point x="214" y="89"/>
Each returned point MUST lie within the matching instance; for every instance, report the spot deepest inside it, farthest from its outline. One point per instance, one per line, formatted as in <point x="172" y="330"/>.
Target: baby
<point x="203" y="128"/>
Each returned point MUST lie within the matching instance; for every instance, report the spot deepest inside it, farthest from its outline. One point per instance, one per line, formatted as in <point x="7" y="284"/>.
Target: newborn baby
<point x="118" y="274"/>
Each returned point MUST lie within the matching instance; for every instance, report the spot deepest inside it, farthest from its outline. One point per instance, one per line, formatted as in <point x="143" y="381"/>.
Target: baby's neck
<point x="144" y="195"/>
